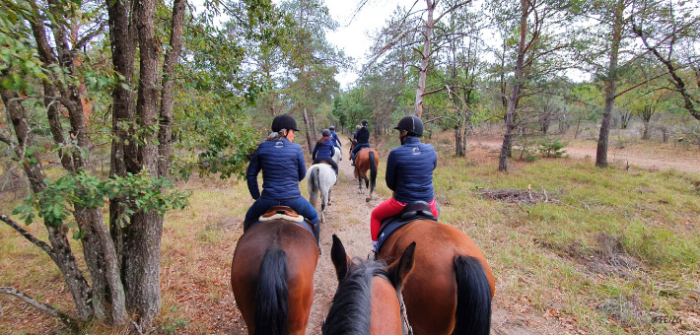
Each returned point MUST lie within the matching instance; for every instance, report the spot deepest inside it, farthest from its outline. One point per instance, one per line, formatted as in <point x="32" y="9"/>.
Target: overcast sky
<point x="353" y="38"/>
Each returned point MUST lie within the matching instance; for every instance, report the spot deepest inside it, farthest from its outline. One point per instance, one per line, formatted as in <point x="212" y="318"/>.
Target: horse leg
<point x="369" y="190"/>
<point x="329" y="196"/>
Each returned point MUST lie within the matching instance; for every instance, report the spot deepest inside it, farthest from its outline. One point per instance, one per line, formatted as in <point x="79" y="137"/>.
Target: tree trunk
<point x="61" y="252"/>
<point x="143" y="236"/>
<point x="308" y="131"/>
<point x="458" y="140"/>
<point x="313" y="125"/>
<point x="167" y="98"/>
<point x="645" y="136"/>
<point x="122" y="158"/>
<point x="425" y="59"/>
<point x="506" y="148"/>
<point x="464" y="138"/>
<point x="601" y="159"/>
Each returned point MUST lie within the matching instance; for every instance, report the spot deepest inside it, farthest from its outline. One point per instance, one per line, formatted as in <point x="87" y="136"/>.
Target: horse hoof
<point x="368" y="199"/>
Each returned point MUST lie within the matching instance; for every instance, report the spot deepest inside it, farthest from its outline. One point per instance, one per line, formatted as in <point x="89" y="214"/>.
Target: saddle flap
<point x="414" y="209"/>
<point x="280" y="210"/>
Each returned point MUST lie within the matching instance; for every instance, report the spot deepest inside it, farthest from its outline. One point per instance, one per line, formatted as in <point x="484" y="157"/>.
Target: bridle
<point x="405" y="326"/>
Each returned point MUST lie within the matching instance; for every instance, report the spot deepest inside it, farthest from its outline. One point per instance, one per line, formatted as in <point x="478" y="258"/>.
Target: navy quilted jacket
<point x="327" y="150"/>
<point x="335" y="138"/>
<point x="283" y="167"/>
<point x="409" y="171"/>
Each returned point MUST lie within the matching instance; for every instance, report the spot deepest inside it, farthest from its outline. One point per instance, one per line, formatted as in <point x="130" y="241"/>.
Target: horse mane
<point x="350" y="313"/>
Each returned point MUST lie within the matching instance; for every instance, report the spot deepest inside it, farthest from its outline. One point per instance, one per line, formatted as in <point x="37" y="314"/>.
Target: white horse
<point x="321" y="177"/>
<point x="338" y="156"/>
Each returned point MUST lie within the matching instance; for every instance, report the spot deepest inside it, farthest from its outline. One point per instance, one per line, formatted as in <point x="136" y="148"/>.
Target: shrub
<point x="551" y="148"/>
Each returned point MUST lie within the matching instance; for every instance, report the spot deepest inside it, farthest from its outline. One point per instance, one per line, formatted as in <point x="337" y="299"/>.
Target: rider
<point x="324" y="151"/>
<point x="409" y="173"/>
<point x="362" y="140"/>
<point x="354" y="136"/>
<point x="334" y="137"/>
<point x="283" y="167"/>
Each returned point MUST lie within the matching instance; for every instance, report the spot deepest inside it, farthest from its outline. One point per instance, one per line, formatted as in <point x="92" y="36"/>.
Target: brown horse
<point x="451" y="289"/>
<point x="367" y="160"/>
<point x="272" y="277"/>
<point x="368" y="299"/>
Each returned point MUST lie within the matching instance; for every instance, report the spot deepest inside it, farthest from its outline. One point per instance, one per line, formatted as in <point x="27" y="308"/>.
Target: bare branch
<point x="39" y="243"/>
<point x="451" y="9"/>
<point x="44" y="308"/>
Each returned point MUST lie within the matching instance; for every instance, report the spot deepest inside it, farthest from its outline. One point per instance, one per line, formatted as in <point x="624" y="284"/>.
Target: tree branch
<point x="71" y="323"/>
<point x="449" y="10"/>
<point x="39" y="243"/>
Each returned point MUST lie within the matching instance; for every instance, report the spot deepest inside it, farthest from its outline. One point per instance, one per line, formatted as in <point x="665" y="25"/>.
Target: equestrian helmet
<point x="332" y="128"/>
<point x="326" y="132"/>
<point x="364" y="123"/>
<point x="284" y="121"/>
<point x="412" y="124"/>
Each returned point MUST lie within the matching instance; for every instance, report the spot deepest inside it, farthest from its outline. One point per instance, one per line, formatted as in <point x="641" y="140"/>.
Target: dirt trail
<point x="348" y="217"/>
<point x="635" y="157"/>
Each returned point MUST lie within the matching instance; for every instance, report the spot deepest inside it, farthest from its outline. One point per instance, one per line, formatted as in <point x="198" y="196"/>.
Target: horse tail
<point x="372" y="170"/>
<point x="473" y="297"/>
<point x="272" y="294"/>
<point x="314" y="185"/>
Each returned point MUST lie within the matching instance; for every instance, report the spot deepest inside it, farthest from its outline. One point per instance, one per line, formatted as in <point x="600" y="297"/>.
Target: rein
<point x="405" y="326"/>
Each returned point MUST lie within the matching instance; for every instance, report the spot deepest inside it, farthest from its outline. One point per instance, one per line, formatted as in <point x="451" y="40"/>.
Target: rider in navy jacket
<point x="324" y="151"/>
<point x="334" y="137"/>
<point x="283" y="167"/>
<point x="409" y="171"/>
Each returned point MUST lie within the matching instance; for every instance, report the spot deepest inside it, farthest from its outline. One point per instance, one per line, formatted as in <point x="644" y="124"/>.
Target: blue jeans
<point x="358" y="148"/>
<point x="299" y="205"/>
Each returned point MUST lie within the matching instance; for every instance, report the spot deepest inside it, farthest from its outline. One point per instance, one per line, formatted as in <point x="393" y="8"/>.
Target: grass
<point x="622" y="247"/>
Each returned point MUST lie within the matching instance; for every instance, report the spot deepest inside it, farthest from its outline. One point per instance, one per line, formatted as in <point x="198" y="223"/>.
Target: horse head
<point x="368" y="299"/>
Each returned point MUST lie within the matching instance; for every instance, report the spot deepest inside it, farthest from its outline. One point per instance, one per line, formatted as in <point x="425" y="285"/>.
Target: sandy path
<point x="349" y="218"/>
<point x="635" y="158"/>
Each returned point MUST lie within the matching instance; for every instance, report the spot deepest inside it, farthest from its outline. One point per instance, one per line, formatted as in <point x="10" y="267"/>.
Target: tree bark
<point x="515" y="90"/>
<point x="61" y="252"/>
<point x="123" y="158"/>
<point x="308" y="131"/>
<point x="425" y="59"/>
<point x="601" y="158"/>
<point x="167" y="98"/>
<point x="141" y="256"/>
<point x="313" y="126"/>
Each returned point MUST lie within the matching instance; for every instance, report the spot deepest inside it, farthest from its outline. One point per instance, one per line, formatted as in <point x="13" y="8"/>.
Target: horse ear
<point x="401" y="268"/>
<point x="340" y="258"/>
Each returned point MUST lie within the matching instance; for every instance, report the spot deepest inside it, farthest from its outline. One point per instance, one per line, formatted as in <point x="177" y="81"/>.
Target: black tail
<point x="372" y="170"/>
<point x="473" y="297"/>
<point x="272" y="294"/>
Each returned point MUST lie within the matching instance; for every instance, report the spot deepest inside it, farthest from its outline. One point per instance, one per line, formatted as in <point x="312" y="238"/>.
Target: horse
<point x="337" y="156"/>
<point x="272" y="277"/>
<point x="321" y="178"/>
<point x="368" y="299"/>
<point x="367" y="159"/>
<point x="461" y="284"/>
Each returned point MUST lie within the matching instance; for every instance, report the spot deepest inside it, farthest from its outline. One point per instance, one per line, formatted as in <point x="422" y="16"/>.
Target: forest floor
<point x="618" y="253"/>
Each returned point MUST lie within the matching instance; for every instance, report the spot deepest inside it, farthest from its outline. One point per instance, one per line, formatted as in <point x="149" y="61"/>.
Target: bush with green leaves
<point x="85" y="191"/>
<point x="551" y="147"/>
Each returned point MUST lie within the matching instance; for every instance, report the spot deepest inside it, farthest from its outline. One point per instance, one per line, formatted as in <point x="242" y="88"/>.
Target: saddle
<point x="419" y="210"/>
<point x="284" y="213"/>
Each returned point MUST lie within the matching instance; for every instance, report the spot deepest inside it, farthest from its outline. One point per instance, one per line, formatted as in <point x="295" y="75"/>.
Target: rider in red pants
<point x="409" y="173"/>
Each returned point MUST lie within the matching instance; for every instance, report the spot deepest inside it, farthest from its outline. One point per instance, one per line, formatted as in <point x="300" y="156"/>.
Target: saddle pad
<point x="283" y="213"/>
<point x="414" y="211"/>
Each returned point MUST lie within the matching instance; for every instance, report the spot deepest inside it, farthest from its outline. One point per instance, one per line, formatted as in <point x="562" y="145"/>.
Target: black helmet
<point x="364" y="123"/>
<point x="284" y="121"/>
<point x="326" y="132"/>
<point x="332" y="128"/>
<point x="412" y="124"/>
